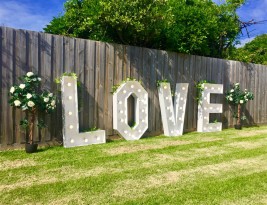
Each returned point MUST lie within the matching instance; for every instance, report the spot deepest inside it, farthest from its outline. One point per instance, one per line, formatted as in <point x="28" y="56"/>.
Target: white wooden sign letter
<point x="205" y="108"/>
<point x="173" y="114"/>
<point x="120" y="114"/>
<point x="71" y="135"/>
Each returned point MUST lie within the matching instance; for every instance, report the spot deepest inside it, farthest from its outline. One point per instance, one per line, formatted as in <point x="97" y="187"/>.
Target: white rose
<point x="231" y="99"/>
<point x="237" y="84"/>
<point x="232" y="90"/>
<point x="39" y="79"/>
<point x="17" y="103"/>
<point x="241" y="101"/>
<point x="34" y="79"/>
<point x="50" y="94"/>
<point x="22" y="86"/>
<point x="53" y="102"/>
<point x="28" y="96"/>
<point x="246" y="90"/>
<point x="29" y="74"/>
<point x="46" y="99"/>
<point x="30" y="104"/>
<point x="12" y="90"/>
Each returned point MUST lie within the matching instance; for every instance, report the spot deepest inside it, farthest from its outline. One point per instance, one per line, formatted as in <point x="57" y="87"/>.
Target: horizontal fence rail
<point x="99" y="66"/>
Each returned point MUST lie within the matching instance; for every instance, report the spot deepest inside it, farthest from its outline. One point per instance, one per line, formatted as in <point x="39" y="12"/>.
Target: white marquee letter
<point x="173" y="115"/>
<point x="120" y="114"/>
<point x="71" y="135"/>
<point x="205" y="108"/>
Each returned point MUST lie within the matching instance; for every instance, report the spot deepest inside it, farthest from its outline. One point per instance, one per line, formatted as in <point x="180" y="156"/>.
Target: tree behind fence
<point x="99" y="66"/>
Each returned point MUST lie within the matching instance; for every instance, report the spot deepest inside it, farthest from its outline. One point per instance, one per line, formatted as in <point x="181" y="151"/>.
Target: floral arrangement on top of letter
<point x="237" y="97"/>
<point x="30" y="98"/>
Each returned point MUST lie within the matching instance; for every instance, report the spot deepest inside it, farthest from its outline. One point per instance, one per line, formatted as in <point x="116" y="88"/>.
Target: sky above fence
<point x="35" y="14"/>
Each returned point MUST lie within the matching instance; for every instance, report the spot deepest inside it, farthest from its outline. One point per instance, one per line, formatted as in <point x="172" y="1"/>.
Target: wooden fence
<point x="99" y="66"/>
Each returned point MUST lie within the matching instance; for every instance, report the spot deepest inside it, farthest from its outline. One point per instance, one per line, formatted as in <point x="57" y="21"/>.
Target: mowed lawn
<point x="228" y="167"/>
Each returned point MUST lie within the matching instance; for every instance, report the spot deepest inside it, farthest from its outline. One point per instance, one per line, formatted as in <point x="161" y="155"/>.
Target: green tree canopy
<point x="188" y="26"/>
<point x="253" y="52"/>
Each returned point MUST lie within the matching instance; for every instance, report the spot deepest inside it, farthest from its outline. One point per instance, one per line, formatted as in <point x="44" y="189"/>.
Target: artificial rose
<point x="17" y="103"/>
<point x="53" y="102"/>
<point x="12" y="90"/>
<point x="29" y="74"/>
<point x="22" y="86"/>
<point x="30" y="104"/>
<point x="28" y="96"/>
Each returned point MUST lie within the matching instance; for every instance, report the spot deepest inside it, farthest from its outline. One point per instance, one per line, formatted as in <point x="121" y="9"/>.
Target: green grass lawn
<point x="228" y="167"/>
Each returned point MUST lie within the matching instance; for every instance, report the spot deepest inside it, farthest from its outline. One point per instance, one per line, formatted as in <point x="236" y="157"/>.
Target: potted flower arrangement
<point x="235" y="96"/>
<point x="28" y="97"/>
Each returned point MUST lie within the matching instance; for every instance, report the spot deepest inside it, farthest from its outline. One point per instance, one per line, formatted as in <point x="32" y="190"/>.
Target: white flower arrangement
<point x="28" y="97"/>
<point x="237" y="97"/>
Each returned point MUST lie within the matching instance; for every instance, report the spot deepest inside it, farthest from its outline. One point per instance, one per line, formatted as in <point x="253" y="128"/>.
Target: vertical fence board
<point x="20" y="68"/>
<point x="7" y="82"/>
<point x="90" y="70"/>
<point x="186" y="72"/>
<point x="108" y="89"/>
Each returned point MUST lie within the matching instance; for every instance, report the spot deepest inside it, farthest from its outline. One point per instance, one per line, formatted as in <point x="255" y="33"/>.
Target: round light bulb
<point x="72" y="141"/>
<point x="132" y="86"/>
<point x="139" y="90"/>
<point x="85" y="140"/>
<point x="70" y="97"/>
<point x="69" y="84"/>
<point x="70" y="113"/>
<point x="71" y="126"/>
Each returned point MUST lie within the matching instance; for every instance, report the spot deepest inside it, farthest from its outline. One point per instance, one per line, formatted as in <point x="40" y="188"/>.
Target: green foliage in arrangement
<point x="253" y="52"/>
<point x="74" y="75"/>
<point x="115" y="87"/>
<point x="200" y="88"/>
<point x="162" y="81"/>
<point x="189" y="26"/>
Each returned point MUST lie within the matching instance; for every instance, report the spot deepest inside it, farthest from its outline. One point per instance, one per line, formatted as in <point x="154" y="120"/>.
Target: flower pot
<point x="238" y="127"/>
<point x="31" y="148"/>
